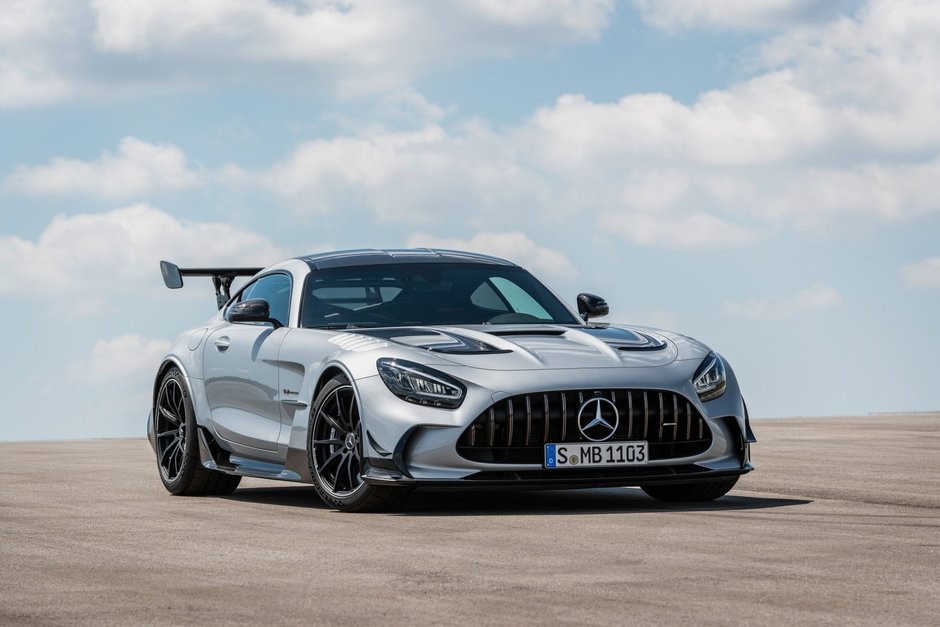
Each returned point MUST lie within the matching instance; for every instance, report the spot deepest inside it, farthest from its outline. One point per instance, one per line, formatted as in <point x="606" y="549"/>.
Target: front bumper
<point x="561" y="479"/>
<point x="406" y="444"/>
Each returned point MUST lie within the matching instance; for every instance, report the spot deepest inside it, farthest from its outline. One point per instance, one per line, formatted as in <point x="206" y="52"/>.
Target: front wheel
<point x="690" y="492"/>
<point x="334" y="452"/>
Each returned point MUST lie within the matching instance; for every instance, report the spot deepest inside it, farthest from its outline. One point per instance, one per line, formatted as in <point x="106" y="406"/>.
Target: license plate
<point x="594" y="455"/>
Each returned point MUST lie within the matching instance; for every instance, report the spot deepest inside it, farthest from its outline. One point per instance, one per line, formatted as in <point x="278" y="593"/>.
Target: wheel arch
<point x="168" y="364"/>
<point x="326" y="374"/>
<point x="298" y="451"/>
<point x="330" y="371"/>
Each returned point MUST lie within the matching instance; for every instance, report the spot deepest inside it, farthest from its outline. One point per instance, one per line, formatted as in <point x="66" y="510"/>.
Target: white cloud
<point x="409" y="106"/>
<point x="695" y="230"/>
<point x="139" y="168"/>
<point x="714" y="173"/>
<point x="841" y="121"/>
<point x="356" y="32"/>
<point x="814" y="298"/>
<point x="28" y="32"/>
<point x="646" y="152"/>
<point x="824" y="197"/>
<point x="416" y="176"/>
<point x="763" y="120"/>
<point x="674" y="15"/>
<point x="120" y="362"/>
<point x="89" y="257"/>
<point x="120" y="369"/>
<point x="514" y="246"/>
<point x="50" y="51"/>
<point x="26" y="84"/>
<point x="924" y="273"/>
<point x="875" y="70"/>
<point x="844" y="122"/>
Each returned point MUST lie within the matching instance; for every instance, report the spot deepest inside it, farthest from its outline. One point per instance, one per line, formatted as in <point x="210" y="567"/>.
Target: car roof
<point x="376" y="257"/>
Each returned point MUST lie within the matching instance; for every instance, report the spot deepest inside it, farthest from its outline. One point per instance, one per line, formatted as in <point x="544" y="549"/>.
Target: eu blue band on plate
<point x="550" y="455"/>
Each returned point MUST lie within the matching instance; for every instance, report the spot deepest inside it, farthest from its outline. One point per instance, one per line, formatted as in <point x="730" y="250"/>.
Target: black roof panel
<point x="377" y="257"/>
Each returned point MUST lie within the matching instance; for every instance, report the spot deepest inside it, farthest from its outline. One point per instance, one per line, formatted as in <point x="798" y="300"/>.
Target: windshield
<point x="411" y="294"/>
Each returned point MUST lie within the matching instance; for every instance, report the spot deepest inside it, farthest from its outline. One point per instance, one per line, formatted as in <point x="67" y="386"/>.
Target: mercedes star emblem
<point x="597" y="428"/>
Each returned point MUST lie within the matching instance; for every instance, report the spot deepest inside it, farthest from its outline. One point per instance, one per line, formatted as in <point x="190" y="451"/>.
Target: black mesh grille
<point x="514" y="430"/>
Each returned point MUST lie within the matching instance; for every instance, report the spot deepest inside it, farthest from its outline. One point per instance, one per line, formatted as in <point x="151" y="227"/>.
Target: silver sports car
<point x="369" y="373"/>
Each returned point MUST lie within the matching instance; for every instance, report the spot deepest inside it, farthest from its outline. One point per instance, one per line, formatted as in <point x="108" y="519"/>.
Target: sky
<point x="759" y="175"/>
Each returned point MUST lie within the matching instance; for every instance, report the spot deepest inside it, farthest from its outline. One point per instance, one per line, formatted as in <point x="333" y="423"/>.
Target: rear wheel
<point x="690" y="492"/>
<point x="176" y="445"/>
<point x="334" y="452"/>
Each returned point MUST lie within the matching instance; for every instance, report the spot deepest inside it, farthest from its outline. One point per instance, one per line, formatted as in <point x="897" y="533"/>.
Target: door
<point x="241" y="370"/>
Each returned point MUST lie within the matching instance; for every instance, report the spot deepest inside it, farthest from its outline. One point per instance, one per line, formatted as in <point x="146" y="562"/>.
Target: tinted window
<point x="428" y="293"/>
<point x="274" y="288"/>
<point x="354" y="297"/>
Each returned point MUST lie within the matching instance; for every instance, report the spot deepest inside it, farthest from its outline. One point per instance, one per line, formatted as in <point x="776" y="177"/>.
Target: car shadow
<point x="288" y="496"/>
<point x="499" y="502"/>
<point x="572" y="502"/>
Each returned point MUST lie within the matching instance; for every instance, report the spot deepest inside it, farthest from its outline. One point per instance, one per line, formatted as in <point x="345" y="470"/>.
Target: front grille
<point x="514" y="430"/>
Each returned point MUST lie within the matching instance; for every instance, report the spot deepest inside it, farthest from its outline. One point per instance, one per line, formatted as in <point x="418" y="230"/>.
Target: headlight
<point x="710" y="379"/>
<point x="419" y="384"/>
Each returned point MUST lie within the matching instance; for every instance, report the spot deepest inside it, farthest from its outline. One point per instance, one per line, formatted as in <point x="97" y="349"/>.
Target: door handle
<point x="222" y="344"/>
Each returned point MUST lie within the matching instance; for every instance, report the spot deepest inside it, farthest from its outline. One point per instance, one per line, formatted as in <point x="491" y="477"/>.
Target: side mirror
<point x="254" y="310"/>
<point x="591" y="306"/>
<point x="171" y="275"/>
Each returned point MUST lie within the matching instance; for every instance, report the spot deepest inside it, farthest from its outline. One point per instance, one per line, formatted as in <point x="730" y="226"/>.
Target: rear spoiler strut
<point x="221" y="278"/>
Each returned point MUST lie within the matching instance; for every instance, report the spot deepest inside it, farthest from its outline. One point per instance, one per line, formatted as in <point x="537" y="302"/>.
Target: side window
<point x="274" y="288"/>
<point x="519" y="299"/>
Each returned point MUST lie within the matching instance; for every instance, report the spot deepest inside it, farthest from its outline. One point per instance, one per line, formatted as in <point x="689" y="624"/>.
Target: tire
<point x="690" y="492"/>
<point x="334" y="453"/>
<point x="177" y="446"/>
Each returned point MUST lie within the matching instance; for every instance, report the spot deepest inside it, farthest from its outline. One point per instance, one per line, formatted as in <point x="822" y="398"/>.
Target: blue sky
<point x="760" y="175"/>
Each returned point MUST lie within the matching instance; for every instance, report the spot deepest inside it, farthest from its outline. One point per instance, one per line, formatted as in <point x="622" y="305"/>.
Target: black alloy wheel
<point x="175" y="442"/>
<point x="335" y="453"/>
<point x="171" y="430"/>
<point x="337" y="443"/>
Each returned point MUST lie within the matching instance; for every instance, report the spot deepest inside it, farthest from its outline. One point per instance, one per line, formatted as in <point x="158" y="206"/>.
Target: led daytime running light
<point x="710" y="380"/>
<point x="420" y="385"/>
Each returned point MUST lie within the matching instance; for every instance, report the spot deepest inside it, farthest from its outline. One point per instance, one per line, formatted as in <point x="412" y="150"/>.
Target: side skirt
<point x="214" y="457"/>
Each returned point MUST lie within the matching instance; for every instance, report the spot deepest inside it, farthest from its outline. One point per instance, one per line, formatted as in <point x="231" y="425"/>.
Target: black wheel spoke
<point x="338" y="406"/>
<point x="172" y="417"/>
<point x="338" y="473"/>
<point x="349" y="473"/>
<point x="179" y="458"/>
<point x="170" y="428"/>
<point x="165" y="458"/>
<point x="342" y="472"/>
<point x="351" y="412"/>
<point x="333" y="422"/>
<point x="335" y="455"/>
<point x="335" y="442"/>
<point x="172" y="464"/>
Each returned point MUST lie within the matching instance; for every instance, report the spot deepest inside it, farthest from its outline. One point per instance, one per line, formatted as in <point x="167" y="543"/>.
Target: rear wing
<point x="221" y="278"/>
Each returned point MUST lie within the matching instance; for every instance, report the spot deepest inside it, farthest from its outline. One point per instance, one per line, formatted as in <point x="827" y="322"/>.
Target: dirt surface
<point x="839" y="524"/>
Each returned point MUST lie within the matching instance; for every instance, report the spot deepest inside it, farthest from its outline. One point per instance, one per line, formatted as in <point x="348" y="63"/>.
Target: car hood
<point x="532" y="347"/>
